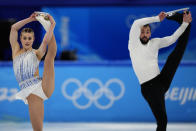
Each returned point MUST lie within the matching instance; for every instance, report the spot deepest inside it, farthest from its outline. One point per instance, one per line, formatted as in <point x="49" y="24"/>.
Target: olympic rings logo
<point x="83" y="89"/>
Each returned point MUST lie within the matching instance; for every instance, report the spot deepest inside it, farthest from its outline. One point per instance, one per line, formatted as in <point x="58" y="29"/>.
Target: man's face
<point x="145" y="34"/>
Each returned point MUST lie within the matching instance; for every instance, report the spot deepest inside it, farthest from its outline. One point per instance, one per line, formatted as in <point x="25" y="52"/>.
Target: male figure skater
<point x="144" y="56"/>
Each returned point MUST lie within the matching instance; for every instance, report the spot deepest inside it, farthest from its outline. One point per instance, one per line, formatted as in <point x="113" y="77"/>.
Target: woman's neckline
<point x="32" y="50"/>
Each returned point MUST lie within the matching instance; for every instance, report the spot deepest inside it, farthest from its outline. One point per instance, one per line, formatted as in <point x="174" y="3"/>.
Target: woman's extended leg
<point x="48" y="74"/>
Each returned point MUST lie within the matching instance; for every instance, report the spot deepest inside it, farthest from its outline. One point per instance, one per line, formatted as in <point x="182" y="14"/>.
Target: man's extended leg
<point x="175" y="57"/>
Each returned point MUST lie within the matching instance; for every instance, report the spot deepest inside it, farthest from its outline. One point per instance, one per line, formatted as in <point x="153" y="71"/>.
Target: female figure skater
<point x="34" y="90"/>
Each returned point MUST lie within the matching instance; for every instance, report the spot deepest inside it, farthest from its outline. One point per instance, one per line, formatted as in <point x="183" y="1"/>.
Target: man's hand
<point x="162" y="16"/>
<point x="187" y="17"/>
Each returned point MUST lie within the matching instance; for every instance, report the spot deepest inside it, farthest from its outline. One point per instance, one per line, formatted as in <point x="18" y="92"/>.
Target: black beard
<point x="144" y="42"/>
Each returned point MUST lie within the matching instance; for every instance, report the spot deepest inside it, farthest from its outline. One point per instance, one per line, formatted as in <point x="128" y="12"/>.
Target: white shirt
<point x="145" y="57"/>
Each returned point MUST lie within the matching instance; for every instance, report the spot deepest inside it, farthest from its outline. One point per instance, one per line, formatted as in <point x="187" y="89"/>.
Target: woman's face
<point x="27" y="40"/>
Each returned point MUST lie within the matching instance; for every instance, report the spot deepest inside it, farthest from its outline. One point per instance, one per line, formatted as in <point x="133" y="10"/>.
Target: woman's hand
<point x="32" y="16"/>
<point x="53" y="23"/>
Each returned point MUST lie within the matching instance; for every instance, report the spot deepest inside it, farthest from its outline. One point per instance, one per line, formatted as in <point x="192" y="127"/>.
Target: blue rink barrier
<point x="101" y="91"/>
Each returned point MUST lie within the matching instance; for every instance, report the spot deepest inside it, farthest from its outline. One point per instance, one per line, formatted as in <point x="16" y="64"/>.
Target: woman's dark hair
<point x="27" y="30"/>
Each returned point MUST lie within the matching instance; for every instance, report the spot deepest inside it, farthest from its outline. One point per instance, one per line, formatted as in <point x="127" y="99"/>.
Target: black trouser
<point x="154" y="90"/>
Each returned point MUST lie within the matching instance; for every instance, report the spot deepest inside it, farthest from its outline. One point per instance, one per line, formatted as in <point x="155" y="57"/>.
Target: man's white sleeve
<point x="167" y="41"/>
